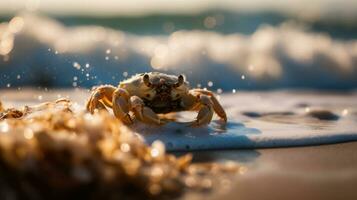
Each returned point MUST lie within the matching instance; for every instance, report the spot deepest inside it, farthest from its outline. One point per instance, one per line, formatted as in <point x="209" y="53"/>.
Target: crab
<point x="148" y="95"/>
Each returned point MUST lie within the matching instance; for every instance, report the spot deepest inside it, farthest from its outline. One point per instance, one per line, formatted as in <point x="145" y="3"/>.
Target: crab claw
<point x="205" y="112"/>
<point x="121" y="105"/>
<point x="144" y="113"/>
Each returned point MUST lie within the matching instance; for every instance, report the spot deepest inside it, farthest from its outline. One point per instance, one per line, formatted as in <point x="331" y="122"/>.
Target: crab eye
<point x="180" y="81"/>
<point x="177" y="95"/>
<point x="146" y="80"/>
<point x="147" y="95"/>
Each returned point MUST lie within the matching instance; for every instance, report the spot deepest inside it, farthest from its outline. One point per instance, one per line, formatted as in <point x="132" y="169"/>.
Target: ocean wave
<point x="37" y="50"/>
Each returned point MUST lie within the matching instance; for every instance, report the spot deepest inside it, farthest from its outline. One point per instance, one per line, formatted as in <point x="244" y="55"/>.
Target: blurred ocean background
<point x="222" y="45"/>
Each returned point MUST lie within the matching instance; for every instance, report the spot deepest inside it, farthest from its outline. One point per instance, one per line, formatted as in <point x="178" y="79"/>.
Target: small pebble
<point x="323" y="115"/>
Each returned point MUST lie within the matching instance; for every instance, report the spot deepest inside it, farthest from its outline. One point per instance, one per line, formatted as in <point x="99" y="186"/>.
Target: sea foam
<point x="42" y="51"/>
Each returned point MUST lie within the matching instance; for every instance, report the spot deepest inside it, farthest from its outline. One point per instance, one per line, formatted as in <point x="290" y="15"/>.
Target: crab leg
<point x="101" y="97"/>
<point x="94" y="102"/>
<point x="216" y="105"/>
<point x="205" y="110"/>
<point x="143" y="113"/>
<point x="121" y="105"/>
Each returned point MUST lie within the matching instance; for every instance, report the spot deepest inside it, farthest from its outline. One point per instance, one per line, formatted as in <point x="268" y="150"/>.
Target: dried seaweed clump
<point x="51" y="152"/>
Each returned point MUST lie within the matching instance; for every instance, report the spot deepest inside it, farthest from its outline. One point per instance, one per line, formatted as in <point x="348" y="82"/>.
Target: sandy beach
<point x="280" y="120"/>
<point x="312" y="172"/>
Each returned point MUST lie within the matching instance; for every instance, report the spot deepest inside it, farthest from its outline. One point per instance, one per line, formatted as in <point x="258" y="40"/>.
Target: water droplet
<point x="74" y="84"/>
<point x="210" y="83"/>
<point x="75" y="78"/>
<point x="87" y="65"/>
<point x="106" y="58"/>
<point x="344" y="112"/>
<point x="219" y="91"/>
<point x="210" y="22"/>
<point x="108" y="51"/>
<point x="76" y="65"/>
<point x="125" y="74"/>
<point x="199" y="85"/>
<point x="234" y="91"/>
<point x="8" y="85"/>
<point x="242" y="77"/>
<point x="87" y="74"/>
<point x="39" y="97"/>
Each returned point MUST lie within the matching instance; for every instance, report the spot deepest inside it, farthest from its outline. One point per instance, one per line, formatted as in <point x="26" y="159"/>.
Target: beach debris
<point x="313" y="117"/>
<point x="49" y="151"/>
<point x="149" y="94"/>
<point x="323" y="115"/>
<point x="266" y="114"/>
<point x="18" y="113"/>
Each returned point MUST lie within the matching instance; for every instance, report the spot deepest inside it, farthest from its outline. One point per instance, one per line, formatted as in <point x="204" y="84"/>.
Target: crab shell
<point x="159" y="90"/>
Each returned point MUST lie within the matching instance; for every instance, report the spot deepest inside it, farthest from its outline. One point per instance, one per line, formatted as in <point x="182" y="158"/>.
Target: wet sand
<point x="255" y="119"/>
<point x="314" y="172"/>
